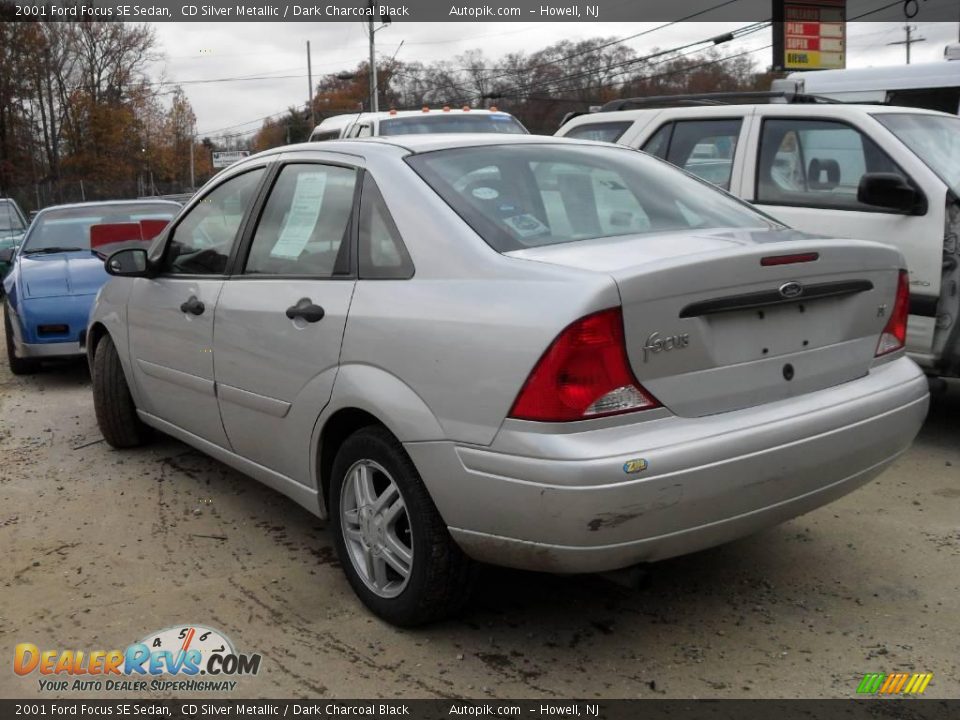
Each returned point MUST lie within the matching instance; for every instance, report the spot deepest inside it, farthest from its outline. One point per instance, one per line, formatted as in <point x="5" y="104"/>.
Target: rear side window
<point x="702" y="147"/>
<point x="10" y="218"/>
<point x="305" y="225"/>
<point x="383" y="255"/>
<point x="816" y="163"/>
<point x="601" y="132"/>
<point x="520" y="196"/>
<point x="322" y="135"/>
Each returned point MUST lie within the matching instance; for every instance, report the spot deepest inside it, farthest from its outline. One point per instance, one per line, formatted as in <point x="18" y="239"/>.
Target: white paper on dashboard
<point x="302" y="218"/>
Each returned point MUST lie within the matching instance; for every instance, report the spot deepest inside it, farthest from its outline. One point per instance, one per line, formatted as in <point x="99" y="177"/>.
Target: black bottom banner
<point x="876" y="709"/>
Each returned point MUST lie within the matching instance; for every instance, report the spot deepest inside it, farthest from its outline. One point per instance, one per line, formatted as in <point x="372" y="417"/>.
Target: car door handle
<point x="192" y="306"/>
<point x="307" y="310"/>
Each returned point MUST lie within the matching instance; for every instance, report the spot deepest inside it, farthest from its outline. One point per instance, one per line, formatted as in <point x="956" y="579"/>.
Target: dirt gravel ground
<point x="101" y="547"/>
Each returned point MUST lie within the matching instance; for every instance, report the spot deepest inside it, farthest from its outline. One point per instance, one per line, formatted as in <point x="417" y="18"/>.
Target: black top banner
<point x="458" y="10"/>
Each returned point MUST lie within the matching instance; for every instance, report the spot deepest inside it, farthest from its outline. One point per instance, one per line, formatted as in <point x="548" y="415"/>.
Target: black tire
<point x="18" y="365"/>
<point x="116" y="413"/>
<point x="441" y="576"/>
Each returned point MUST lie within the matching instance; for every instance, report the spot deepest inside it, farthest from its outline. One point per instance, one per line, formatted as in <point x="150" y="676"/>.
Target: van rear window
<point x="460" y="122"/>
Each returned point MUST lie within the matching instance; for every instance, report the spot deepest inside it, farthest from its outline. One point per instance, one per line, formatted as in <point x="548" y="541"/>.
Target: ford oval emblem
<point x="791" y="290"/>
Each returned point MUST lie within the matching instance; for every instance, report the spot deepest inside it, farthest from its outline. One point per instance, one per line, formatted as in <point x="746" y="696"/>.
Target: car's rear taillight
<point x="584" y="374"/>
<point x="894" y="335"/>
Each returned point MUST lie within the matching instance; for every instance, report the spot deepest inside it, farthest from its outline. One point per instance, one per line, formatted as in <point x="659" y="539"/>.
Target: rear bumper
<point x="562" y="502"/>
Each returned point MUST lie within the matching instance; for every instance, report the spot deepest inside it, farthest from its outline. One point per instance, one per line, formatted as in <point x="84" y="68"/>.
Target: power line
<point x="623" y="66"/>
<point x="596" y="48"/>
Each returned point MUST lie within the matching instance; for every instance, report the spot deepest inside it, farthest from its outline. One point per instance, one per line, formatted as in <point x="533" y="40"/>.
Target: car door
<point x="281" y="316"/>
<point x="806" y="170"/>
<point x="708" y="148"/>
<point x="170" y="316"/>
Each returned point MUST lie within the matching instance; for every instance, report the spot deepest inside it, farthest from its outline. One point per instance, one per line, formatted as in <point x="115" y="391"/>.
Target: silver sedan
<point x="534" y="352"/>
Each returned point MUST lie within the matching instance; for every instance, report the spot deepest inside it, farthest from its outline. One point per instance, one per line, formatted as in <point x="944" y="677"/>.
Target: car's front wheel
<point x="18" y="365"/>
<point x="394" y="547"/>
<point x="112" y="402"/>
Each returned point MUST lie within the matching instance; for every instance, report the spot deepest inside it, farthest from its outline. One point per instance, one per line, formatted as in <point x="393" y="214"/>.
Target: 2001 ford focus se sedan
<point x="539" y="353"/>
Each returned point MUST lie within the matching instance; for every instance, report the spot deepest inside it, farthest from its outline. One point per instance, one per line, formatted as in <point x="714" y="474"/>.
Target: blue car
<point x="55" y="277"/>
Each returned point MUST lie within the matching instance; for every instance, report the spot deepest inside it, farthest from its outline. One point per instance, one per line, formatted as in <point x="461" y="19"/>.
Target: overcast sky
<point x="214" y="51"/>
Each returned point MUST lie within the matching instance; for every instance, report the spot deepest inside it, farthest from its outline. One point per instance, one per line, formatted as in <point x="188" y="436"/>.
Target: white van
<point x="415" y="122"/>
<point x="932" y="86"/>
<point x="333" y="127"/>
<point x="890" y="174"/>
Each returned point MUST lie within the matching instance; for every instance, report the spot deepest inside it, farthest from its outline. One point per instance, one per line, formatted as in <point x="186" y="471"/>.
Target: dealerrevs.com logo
<point x="197" y="657"/>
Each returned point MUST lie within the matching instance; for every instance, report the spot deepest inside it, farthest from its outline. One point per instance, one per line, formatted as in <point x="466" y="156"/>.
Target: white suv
<point x="890" y="174"/>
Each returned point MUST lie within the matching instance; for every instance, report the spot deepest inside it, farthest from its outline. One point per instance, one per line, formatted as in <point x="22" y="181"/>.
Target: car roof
<point x="399" y="145"/>
<point x="805" y="109"/>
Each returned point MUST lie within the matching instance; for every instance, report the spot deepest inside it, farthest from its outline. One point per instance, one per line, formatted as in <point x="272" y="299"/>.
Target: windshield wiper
<point x="46" y="250"/>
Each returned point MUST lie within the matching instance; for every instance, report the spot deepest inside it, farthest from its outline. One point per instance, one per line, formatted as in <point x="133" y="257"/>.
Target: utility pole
<point x="374" y="103"/>
<point x="193" y="147"/>
<point x="313" y="119"/>
<point x="371" y="30"/>
<point x="909" y="41"/>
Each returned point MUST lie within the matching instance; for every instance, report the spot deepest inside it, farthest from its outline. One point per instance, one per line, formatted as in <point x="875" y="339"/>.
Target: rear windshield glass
<point x="520" y="196"/>
<point x="459" y="122"/>
<point x="69" y="228"/>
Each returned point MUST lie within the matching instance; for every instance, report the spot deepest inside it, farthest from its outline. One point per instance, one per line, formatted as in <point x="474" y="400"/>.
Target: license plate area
<point x="760" y="333"/>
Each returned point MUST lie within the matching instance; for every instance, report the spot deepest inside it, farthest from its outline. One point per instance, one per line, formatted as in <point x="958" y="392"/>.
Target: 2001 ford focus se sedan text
<point x="535" y="352"/>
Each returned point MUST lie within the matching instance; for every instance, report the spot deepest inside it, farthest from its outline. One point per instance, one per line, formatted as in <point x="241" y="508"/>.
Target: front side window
<point x="305" y="225"/>
<point x="601" y="132"/>
<point x="520" y="196"/>
<point x="935" y="139"/>
<point x="816" y="163"/>
<point x="202" y="241"/>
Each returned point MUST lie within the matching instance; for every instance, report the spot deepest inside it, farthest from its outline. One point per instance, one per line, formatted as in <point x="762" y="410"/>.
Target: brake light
<point x="789" y="259"/>
<point x="584" y="374"/>
<point x="894" y="335"/>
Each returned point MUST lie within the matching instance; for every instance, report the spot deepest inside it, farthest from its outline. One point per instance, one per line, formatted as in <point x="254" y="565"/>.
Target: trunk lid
<point x="710" y="329"/>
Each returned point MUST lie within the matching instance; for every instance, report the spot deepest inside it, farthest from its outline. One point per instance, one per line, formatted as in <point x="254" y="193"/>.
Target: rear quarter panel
<point x="465" y="331"/>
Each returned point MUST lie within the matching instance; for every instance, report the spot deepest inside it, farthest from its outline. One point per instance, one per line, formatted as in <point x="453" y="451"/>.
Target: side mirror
<point x="892" y="191"/>
<point x="6" y="255"/>
<point x="131" y="262"/>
